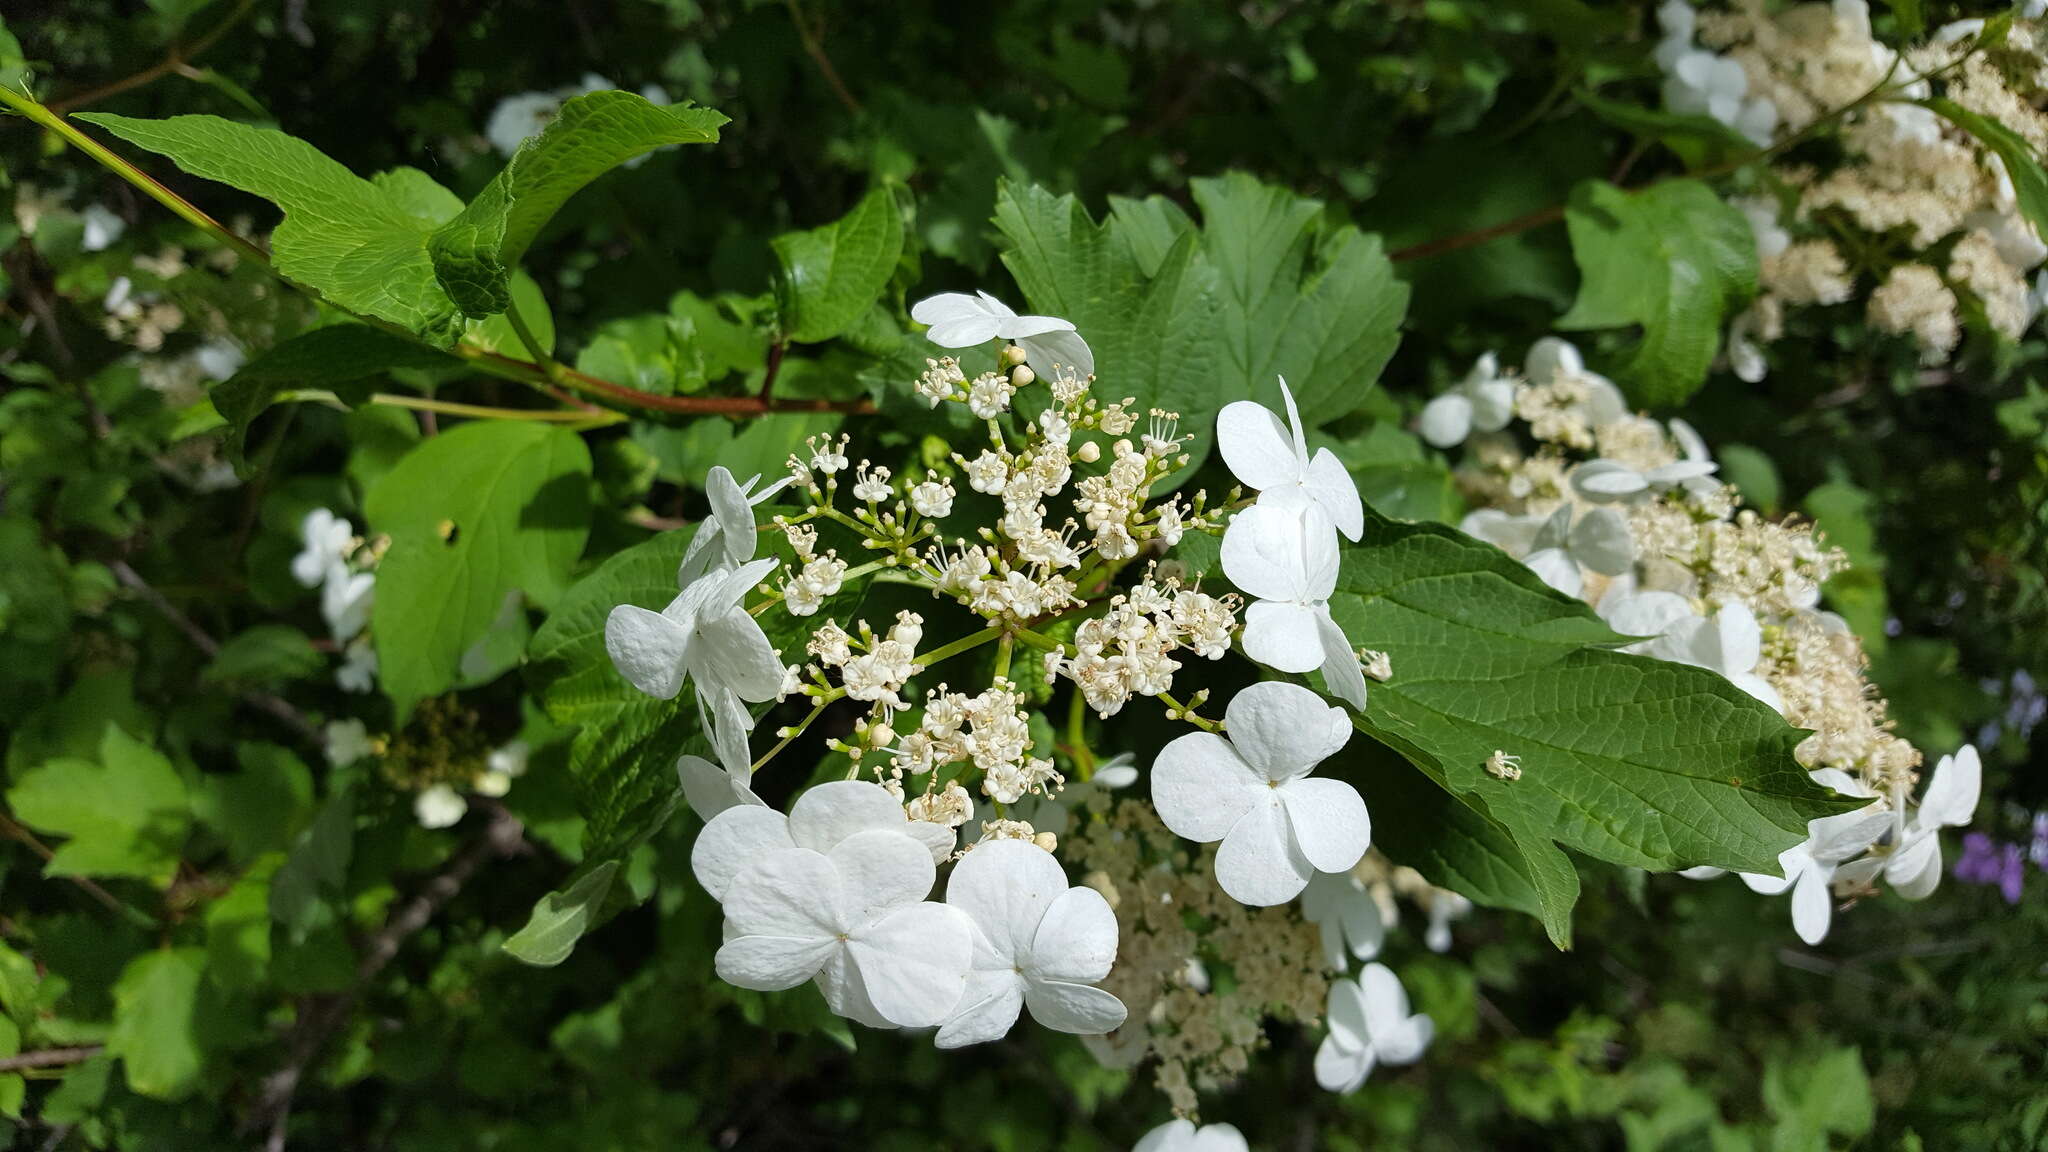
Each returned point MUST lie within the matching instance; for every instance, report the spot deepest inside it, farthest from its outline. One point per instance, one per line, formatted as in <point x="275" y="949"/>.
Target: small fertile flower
<point x="325" y="542"/>
<point x="734" y="839"/>
<point x="1252" y="791"/>
<point x="102" y="227"/>
<point x="1729" y="642"/>
<point x="958" y="320"/>
<point x="1286" y="558"/>
<point x="1183" y="1136"/>
<point x="1810" y="866"/>
<point x="1483" y="401"/>
<point x="1038" y="944"/>
<point x="439" y="807"/>
<point x="1273" y="459"/>
<point x="1914" y="867"/>
<point x="1348" y="916"/>
<point x="1369" y="1024"/>
<point x="726" y="538"/>
<point x="853" y="918"/>
<point x="358" y="671"/>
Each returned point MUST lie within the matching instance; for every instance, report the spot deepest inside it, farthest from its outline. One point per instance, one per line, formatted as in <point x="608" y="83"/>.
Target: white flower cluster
<point x="1127" y="651"/>
<point x="1628" y="515"/>
<point x="1904" y="170"/>
<point x="342" y="565"/>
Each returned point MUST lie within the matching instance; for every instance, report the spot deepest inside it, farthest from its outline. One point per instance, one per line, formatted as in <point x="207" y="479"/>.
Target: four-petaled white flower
<point x="1810" y="865"/>
<point x="1369" y="1024"/>
<point x="703" y="634"/>
<point x="1037" y="943"/>
<point x="1914" y="867"/>
<point x="1183" y="1136"/>
<point x="726" y="538"/>
<point x="325" y="541"/>
<point x="1272" y="458"/>
<point x="440" y="806"/>
<point x="1483" y="401"/>
<point x="1286" y="558"/>
<point x="1348" y="916"/>
<point x="855" y="919"/>
<point x="1729" y="642"/>
<point x="1279" y="825"/>
<point x="1556" y="547"/>
<point x="822" y="817"/>
<point x="957" y="320"/>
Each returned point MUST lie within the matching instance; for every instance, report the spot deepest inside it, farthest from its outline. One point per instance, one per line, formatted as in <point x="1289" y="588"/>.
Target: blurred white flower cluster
<point x="1629" y="515"/>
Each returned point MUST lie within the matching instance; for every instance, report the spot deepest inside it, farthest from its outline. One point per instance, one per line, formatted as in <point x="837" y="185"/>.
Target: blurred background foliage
<point x="1688" y="1018"/>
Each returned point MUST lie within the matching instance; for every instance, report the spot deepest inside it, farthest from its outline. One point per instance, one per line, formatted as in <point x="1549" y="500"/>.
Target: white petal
<point x="1791" y="862"/>
<point x="733" y="840"/>
<point x="880" y="872"/>
<point x="648" y="649"/>
<point x="1077" y="1008"/>
<point x="1555" y="567"/>
<point x="1738" y="640"/>
<point x="1076" y="938"/>
<point x="1281" y="730"/>
<point x="733" y="650"/>
<point x="1259" y="865"/>
<point x="1914" y="871"/>
<point x="1061" y="349"/>
<point x="1602" y="541"/>
<point x="1812" y="906"/>
<point x="1493" y="404"/>
<point x="846" y="993"/>
<point x="1283" y="551"/>
<point x="1172" y="1136"/>
<point x="728" y="724"/>
<point x="938" y="839"/>
<point x="1760" y="688"/>
<point x="1550" y="356"/>
<point x="1331" y="487"/>
<point x="1647" y="614"/>
<point x="914" y="962"/>
<point x="1514" y="535"/>
<point x="1005" y="887"/>
<point x="1446" y="420"/>
<point x="1021" y="328"/>
<point x="988" y="1009"/>
<point x="836" y="809"/>
<point x="1556" y="531"/>
<point x="711" y="789"/>
<point x="1283" y="635"/>
<point x="1342" y="675"/>
<point x="1331" y="826"/>
<point x="772" y="963"/>
<point x="1200" y="786"/>
<point x="1342" y="1069"/>
<point x="1256" y="446"/>
<point x="1605" y="480"/>
<point x="1951" y="797"/>
<point x="1405" y="1042"/>
<point x="1219" y="1138"/>
<point x="734" y="513"/>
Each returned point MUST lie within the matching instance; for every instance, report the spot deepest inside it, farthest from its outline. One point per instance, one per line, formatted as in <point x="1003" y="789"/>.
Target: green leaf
<point x="1317" y="305"/>
<point x="317" y="864"/>
<point x="1154" y="337"/>
<point x="561" y="918"/>
<point x="475" y="253"/>
<point x="125" y="816"/>
<point x="1674" y="259"/>
<point x="361" y="244"/>
<point x="264" y="654"/>
<point x="1635" y="761"/>
<point x="338" y="358"/>
<point x="238" y="930"/>
<point x="473" y="514"/>
<point x="155" y="1016"/>
<point x="1697" y="139"/>
<point x="830" y="275"/>
<point x="2029" y="182"/>
<point x="1449" y="842"/>
<point x="258" y="809"/>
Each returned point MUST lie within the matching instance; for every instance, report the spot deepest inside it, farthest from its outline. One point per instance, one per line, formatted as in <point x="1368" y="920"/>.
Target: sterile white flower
<point x="1557" y="547"/>
<point x="1914" y="867"/>
<point x="102" y="227"/>
<point x="506" y="763"/>
<point x="1609" y="481"/>
<point x="347" y="742"/>
<point x="1252" y="791"/>
<point x="518" y="116"/>
<point x="854" y="918"/>
<point x="957" y="320"/>
<point x="345" y="601"/>
<point x="726" y="539"/>
<point x="1348" y="916"/>
<point x="1272" y="458"/>
<point x="358" y="671"/>
<point x="703" y="634"/>
<point x="439" y="807"/>
<point x="325" y="542"/>
<point x="734" y="839"/>
<point x="1729" y="642"/>
<point x="1369" y="1024"/>
<point x="711" y="789"/>
<point x="1037" y="943"/>
<point x="1183" y="1136"/>
<point x="1484" y="400"/>
<point x="1809" y="866"/>
<point x="1286" y="557"/>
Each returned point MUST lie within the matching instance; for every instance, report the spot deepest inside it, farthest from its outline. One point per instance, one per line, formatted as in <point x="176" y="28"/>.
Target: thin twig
<point x="50" y="1058"/>
<point x="318" y="1019"/>
<point x="274" y="705"/>
<point x="775" y="354"/>
<point x="14" y="831"/>
<point x="175" y="60"/>
<point x="815" y="49"/>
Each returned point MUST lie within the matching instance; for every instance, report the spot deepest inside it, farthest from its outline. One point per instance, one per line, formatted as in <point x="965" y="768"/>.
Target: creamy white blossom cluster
<point x="1628" y="514"/>
<point x="1832" y="234"/>
<point x="342" y="565"/>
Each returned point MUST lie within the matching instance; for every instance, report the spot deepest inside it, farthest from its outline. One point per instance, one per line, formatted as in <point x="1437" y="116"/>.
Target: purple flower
<point x="1986" y="862"/>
